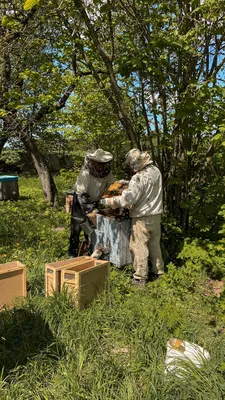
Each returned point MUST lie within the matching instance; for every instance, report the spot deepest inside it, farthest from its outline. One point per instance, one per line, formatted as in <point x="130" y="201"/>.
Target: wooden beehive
<point x="85" y="280"/>
<point x="113" y="235"/>
<point x="53" y="273"/>
<point x="12" y="282"/>
<point x="9" y="189"/>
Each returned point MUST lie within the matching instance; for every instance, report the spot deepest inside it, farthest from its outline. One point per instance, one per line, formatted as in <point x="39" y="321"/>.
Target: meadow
<point x="116" y="348"/>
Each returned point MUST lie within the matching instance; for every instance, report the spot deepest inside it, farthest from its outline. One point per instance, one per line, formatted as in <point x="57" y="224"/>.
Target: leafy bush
<point x="205" y="254"/>
<point x="172" y="239"/>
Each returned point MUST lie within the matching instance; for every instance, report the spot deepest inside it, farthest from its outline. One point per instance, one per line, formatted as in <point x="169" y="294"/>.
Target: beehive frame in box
<point x="86" y="280"/>
<point x="12" y="282"/>
<point x="53" y="273"/>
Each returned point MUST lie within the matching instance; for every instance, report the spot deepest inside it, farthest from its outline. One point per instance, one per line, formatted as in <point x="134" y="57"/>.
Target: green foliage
<point x="11" y="157"/>
<point x="172" y="239"/>
<point x="206" y="252"/>
<point x="10" y="22"/>
<point x="28" y="231"/>
<point x="29" y="4"/>
<point x="66" y="179"/>
<point x="91" y="123"/>
<point x="203" y="255"/>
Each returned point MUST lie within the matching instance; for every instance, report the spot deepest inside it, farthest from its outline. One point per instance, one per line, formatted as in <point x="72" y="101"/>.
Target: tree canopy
<point x="115" y="73"/>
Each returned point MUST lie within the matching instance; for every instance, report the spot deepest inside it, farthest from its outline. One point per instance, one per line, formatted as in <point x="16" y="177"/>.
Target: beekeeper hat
<point x="100" y="155"/>
<point x="137" y="159"/>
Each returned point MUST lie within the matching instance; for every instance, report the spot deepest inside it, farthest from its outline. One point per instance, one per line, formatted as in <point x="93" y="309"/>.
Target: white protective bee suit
<point x="89" y="188"/>
<point x="143" y="197"/>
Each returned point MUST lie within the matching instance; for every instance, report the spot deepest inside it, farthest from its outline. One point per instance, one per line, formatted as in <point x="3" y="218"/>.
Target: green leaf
<point x="222" y="367"/>
<point x="216" y="138"/>
<point x="9" y="22"/>
<point x="29" y="4"/>
<point x="3" y="113"/>
<point x="30" y="100"/>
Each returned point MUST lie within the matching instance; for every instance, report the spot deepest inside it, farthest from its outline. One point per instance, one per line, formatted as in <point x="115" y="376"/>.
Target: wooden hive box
<point x="114" y="235"/>
<point x="12" y="282"/>
<point x="86" y="280"/>
<point x="9" y="189"/>
<point x="53" y="273"/>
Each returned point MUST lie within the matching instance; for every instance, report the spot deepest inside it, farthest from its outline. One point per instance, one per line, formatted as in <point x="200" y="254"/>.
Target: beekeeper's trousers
<point x="144" y="244"/>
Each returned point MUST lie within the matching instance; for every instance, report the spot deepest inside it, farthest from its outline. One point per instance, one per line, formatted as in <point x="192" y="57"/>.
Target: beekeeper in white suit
<point x="143" y="197"/>
<point x="93" y="181"/>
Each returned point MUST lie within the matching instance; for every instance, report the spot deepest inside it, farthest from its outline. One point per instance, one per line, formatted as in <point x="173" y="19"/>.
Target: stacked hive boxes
<point x="83" y="277"/>
<point x="113" y="227"/>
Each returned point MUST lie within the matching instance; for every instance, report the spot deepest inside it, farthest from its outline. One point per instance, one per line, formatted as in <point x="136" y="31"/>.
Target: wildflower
<point x="4" y="255"/>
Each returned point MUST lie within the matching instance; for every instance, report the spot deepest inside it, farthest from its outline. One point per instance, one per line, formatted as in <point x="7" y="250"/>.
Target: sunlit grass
<point x="116" y="348"/>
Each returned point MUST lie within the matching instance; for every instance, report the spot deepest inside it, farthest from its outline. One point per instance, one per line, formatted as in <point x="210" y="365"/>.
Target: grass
<point x="116" y="348"/>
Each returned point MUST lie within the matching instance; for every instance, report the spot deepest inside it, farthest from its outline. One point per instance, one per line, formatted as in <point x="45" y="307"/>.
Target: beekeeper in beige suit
<point x="143" y="197"/>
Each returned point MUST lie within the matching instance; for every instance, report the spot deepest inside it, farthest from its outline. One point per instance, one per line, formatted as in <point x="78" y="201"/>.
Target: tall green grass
<point x="116" y="348"/>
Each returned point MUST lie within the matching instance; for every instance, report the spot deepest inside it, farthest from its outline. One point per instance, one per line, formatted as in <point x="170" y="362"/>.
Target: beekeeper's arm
<point x="129" y="197"/>
<point x="81" y="189"/>
<point x="83" y="182"/>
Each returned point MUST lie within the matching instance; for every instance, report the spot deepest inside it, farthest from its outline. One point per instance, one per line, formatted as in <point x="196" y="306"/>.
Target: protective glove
<point x="104" y="202"/>
<point x="123" y="182"/>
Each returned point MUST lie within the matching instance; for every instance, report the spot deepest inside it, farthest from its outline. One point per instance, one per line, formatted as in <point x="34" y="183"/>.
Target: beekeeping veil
<point x="137" y="160"/>
<point x="100" y="156"/>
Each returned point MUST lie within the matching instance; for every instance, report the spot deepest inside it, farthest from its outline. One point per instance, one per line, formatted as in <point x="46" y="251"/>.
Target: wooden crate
<point x="53" y="273"/>
<point x="86" y="280"/>
<point x="12" y="282"/>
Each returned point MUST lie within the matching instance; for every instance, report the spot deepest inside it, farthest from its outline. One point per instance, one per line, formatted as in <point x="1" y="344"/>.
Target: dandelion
<point x="4" y="255"/>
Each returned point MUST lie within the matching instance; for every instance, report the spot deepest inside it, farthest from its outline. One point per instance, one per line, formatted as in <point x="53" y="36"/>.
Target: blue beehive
<point x="9" y="187"/>
<point x="113" y="235"/>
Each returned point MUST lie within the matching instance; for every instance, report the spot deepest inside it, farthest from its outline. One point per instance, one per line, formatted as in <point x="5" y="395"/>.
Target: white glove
<point x="123" y="182"/>
<point x="104" y="202"/>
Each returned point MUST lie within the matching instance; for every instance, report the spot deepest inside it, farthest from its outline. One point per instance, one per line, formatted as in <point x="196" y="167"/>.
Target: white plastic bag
<point x="180" y="352"/>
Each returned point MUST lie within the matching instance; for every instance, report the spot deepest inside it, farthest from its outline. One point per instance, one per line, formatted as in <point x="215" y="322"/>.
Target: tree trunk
<point x="122" y="111"/>
<point x="44" y="174"/>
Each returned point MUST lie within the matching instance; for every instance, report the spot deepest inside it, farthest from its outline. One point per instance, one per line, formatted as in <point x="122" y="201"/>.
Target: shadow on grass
<point x="23" y="334"/>
<point x="25" y="197"/>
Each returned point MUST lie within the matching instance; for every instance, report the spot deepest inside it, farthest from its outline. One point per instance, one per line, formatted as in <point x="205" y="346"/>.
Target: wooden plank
<point x="68" y="262"/>
<point x="12" y="283"/>
<point x="91" y="283"/>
